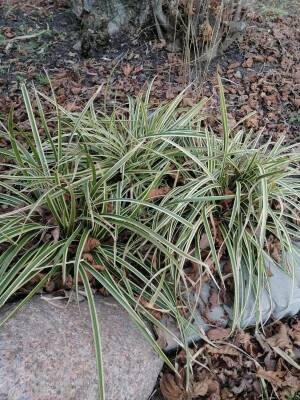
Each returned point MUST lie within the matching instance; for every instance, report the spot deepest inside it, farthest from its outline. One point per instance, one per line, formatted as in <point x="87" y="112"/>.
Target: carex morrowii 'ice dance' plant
<point x="125" y="201"/>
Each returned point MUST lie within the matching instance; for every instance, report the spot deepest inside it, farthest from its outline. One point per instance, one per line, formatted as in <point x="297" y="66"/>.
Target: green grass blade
<point x="96" y="331"/>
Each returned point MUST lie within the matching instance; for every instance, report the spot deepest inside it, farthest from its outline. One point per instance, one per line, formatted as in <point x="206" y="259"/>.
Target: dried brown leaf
<point x="273" y="377"/>
<point x="76" y="90"/>
<point x="244" y="340"/>
<point x="99" y="267"/>
<point x="218" y="333"/>
<point x="206" y="32"/>
<point x="199" y="388"/>
<point x="188" y="102"/>
<point x="280" y="339"/>
<point x="156" y="312"/>
<point x="170" y="94"/>
<point x="220" y="350"/>
<point x="252" y="122"/>
<point x="248" y="63"/>
<point x="170" y="389"/>
<point x="55" y="234"/>
<point x="88" y="257"/>
<point x="90" y="245"/>
<point x="158" y="192"/>
<point x="72" y="107"/>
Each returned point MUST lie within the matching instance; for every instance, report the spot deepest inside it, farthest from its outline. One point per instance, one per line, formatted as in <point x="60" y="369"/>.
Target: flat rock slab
<point x="47" y="352"/>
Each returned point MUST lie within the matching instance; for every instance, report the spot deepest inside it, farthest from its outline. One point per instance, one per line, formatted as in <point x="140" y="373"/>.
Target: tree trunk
<point x="181" y="24"/>
<point x="103" y="19"/>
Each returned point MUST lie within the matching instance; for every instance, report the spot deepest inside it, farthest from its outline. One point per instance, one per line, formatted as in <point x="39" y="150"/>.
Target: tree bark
<point x="103" y="19"/>
<point x="179" y="23"/>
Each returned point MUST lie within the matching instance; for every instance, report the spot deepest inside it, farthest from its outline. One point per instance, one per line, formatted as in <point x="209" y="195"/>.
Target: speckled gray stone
<point x="47" y="353"/>
<point x="284" y="291"/>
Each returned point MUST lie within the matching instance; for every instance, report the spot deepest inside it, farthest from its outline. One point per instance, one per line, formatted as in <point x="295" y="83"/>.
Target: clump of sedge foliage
<point x="125" y="202"/>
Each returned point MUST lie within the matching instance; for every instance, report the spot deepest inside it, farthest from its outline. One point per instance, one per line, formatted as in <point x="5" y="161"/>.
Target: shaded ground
<point x="247" y="366"/>
<point x="261" y="73"/>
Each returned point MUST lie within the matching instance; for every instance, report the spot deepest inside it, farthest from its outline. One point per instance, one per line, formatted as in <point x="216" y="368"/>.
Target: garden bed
<point x="261" y="77"/>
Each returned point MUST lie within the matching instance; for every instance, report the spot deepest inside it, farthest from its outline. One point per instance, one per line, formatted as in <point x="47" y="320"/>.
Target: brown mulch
<point x="245" y="366"/>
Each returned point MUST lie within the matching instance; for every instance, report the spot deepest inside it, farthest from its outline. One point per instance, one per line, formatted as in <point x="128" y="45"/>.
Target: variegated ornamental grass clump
<point x="78" y="203"/>
<point x="129" y="201"/>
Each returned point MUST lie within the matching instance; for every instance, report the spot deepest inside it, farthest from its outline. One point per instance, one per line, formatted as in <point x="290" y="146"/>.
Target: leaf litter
<point x="238" y="367"/>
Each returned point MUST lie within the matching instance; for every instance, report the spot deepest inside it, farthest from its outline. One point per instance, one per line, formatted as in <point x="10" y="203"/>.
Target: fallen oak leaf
<point x="88" y="257"/>
<point x="206" y="32"/>
<point x="231" y="123"/>
<point x="293" y="382"/>
<point x="248" y="63"/>
<point x="172" y="390"/>
<point x="243" y="339"/>
<point x="230" y="362"/>
<point x="158" y="192"/>
<point x="225" y="349"/>
<point x="90" y="245"/>
<point x="188" y="102"/>
<point x="273" y="377"/>
<point x="213" y="386"/>
<point x="156" y="312"/>
<point x="76" y="90"/>
<point x="280" y="339"/>
<point x="259" y="58"/>
<point x="274" y="248"/>
<point x="33" y="282"/>
<point x="234" y="65"/>
<point x="252" y="122"/>
<point x="244" y="385"/>
<point x="170" y="94"/>
<point x="218" y="333"/>
<point x="72" y="107"/>
<point x="262" y="342"/>
<point x="99" y="267"/>
<point x="199" y="389"/>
